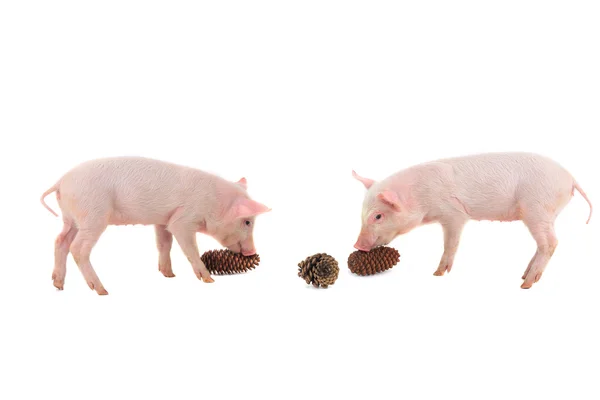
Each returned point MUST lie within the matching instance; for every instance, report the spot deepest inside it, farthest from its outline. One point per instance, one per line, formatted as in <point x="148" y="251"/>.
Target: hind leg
<point x="529" y="265"/>
<point x="539" y="216"/>
<point x="61" y="252"/>
<point x="81" y="249"/>
<point x="543" y="233"/>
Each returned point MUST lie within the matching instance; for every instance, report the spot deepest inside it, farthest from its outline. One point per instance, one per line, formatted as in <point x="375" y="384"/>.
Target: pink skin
<point x="179" y="201"/>
<point x="493" y="186"/>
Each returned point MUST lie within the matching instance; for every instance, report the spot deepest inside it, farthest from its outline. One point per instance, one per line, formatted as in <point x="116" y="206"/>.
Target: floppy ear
<point x="365" y="181"/>
<point x="390" y="198"/>
<point x="243" y="183"/>
<point x="245" y="208"/>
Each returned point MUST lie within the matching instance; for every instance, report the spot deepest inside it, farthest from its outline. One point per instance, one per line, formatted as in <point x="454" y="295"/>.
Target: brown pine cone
<point x="226" y="262"/>
<point x="320" y="270"/>
<point x="377" y="260"/>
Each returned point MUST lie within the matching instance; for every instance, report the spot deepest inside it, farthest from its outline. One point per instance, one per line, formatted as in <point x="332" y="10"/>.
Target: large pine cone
<point x="226" y="262"/>
<point x="377" y="260"/>
<point x="319" y="270"/>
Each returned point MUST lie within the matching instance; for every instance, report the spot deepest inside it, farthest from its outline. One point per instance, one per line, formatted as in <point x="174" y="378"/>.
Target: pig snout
<point x="360" y="247"/>
<point x="250" y="252"/>
<point x="365" y="242"/>
<point x="245" y="247"/>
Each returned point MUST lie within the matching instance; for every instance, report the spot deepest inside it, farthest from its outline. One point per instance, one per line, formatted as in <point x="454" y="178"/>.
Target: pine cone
<point x="226" y="262"/>
<point x="320" y="269"/>
<point x="377" y="260"/>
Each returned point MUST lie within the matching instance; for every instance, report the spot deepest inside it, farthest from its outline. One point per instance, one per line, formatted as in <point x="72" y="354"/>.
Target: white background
<point x="293" y="96"/>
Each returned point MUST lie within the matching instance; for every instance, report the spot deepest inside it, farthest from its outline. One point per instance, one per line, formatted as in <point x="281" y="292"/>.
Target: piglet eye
<point x="248" y="223"/>
<point x="378" y="216"/>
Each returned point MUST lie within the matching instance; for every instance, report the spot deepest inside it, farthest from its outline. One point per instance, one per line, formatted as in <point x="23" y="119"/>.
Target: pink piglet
<point x="179" y="201"/>
<point x="493" y="186"/>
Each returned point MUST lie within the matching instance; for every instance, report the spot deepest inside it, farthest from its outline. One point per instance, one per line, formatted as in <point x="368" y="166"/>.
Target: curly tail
<point x="46" y="193"/>
<point x="582" y="193"/>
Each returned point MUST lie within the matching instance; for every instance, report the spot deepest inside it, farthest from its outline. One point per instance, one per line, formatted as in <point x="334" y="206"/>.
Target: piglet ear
<point x="245" y="208"/>
<point x="243" y="183"/>
<point x="365" y="181"/>
<point x="390" y="198"/>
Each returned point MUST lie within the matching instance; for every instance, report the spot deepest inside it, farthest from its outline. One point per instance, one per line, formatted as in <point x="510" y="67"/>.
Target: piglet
<point x="495" y="186"/>
<point x="179" y="201"/>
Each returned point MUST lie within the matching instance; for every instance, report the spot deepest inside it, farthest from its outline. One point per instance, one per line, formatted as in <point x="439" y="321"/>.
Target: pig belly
<point x="138" y="217"/>
<point x="133" y="205"/>
<point x="489" y="205"/>
<point x="504" y="213"/>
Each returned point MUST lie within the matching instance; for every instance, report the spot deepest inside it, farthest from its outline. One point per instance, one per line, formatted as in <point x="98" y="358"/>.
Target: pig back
<point x="136" y="190"/>
<point x="494" y="185"/>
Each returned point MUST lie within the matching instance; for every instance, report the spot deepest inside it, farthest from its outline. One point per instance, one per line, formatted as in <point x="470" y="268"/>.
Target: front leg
<point x="164" y="241"/>
<point x="185" y="234"/>
<point x="452" y="231"/>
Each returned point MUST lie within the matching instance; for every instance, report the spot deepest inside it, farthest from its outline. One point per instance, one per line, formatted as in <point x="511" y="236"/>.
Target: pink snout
<point x="249" y="252"/>
<point x="364" y="242"/>
<point x="360" y="247"/>
<point x="247" y="247"/>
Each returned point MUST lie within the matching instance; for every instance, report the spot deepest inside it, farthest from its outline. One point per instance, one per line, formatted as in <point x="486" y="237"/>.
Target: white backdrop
<point x="293" y="96"/>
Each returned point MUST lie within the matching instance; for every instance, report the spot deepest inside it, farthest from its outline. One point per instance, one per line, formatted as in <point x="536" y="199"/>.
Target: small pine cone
<point x="226" y="262"/>
<point x="320" y="270"/>
<point x="377" y="260"/>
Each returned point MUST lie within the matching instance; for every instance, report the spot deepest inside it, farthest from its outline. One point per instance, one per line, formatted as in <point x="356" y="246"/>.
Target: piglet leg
<point x="164" y="241"/>
<point x="452" y="230"/>
<point x="61" y="252"/>
<point x="543" y="233"/>
<point x="186" y="238"/>
<point x="529" y="266"/>
<point x="81" y="249"/>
